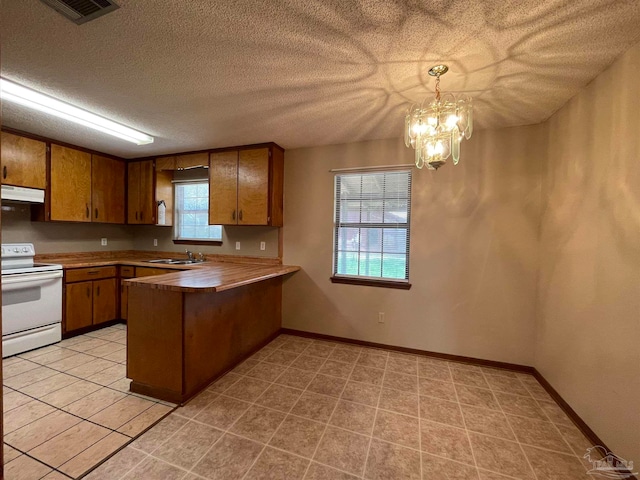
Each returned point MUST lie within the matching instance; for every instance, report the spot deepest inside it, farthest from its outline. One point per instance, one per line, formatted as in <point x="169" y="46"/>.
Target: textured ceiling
<point x="198" y="74"/>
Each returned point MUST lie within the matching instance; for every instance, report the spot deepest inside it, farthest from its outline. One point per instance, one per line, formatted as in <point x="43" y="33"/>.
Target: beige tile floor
<point x="67" y="406"/>
<point x="317" y="410"/>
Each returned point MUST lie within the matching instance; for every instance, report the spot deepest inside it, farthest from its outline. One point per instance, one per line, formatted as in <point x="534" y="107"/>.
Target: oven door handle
<point x="30" y="277"/>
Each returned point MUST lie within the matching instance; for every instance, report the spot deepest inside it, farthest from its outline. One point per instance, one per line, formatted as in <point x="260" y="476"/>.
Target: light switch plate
<point x="237" y="245"/>
<point x="263" y="246"/>
<point x="103" y="242"/>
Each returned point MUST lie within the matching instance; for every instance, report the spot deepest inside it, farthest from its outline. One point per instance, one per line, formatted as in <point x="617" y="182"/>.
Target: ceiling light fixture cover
<point x="436" y="130"/>
<point x="16" y="93"/>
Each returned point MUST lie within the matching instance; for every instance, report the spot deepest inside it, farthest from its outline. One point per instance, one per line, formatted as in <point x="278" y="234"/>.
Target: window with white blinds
<point x="192" y="212"/>
<point x="372" y="220"/>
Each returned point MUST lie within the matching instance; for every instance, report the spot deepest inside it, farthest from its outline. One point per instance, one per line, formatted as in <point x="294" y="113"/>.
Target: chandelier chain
<point x="438" y="87"/>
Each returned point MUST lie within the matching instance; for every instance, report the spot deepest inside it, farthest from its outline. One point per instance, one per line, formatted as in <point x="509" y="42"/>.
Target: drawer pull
<point x="93" y="272"/>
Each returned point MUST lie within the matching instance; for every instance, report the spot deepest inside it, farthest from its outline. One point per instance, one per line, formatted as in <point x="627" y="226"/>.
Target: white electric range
<point x="31" y="300"/>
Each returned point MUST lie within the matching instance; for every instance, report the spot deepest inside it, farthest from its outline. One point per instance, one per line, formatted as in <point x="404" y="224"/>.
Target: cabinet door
<point x="223" y="188"/>
<point x="165" y="163"/>
<point x="253" y="187"/>
<point x="147" y="197"/>
<point x="104" y="300"/>
<point x="151" y="271"/>
<point x="133" y="192"/>
<point x="70" y="184"/>
<point x="107" y="189"/>
<point x="78" y="305"/>
<point x="24" y="161"/>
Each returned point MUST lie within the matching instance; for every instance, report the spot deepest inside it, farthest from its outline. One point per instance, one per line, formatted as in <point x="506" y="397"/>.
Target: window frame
<point x="176" y="226"/>
<point x="388" y="282"/>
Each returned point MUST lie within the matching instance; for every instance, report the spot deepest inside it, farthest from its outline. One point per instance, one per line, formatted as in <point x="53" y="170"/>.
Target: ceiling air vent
<point x="82" y="11"/>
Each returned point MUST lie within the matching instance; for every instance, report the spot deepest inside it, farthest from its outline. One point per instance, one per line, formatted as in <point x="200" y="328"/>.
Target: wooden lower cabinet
<point x="90" y="302"/>
<point x="104" y="300"/>
<point x="79" y="305"/>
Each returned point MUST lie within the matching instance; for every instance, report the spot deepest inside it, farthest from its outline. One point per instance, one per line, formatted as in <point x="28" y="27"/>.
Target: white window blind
<point x="192" y="212"/>
<point x="372" y="225"/>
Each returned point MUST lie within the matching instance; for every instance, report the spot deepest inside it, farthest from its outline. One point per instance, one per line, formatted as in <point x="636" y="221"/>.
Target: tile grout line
<point x="326" y="426"/>
<point x="464" y="423"/>
<point x="516" y="437"/>
<point x="420" y="420"/>
<point x="375" y="418"/>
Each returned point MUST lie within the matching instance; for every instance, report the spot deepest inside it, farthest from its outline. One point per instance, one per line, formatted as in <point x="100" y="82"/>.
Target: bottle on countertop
<point x="162" y="212"/>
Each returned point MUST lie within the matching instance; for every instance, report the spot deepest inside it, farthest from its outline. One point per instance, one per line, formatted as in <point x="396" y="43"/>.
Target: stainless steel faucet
<point x="201" y="257"/>
<point x="190" y="255"/>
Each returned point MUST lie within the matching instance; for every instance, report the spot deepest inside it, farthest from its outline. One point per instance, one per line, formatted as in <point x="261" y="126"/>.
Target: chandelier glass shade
<point x="435" y="130"/>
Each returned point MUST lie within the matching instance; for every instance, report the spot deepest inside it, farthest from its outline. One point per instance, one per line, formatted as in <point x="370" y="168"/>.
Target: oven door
<point x="31" y="300"/>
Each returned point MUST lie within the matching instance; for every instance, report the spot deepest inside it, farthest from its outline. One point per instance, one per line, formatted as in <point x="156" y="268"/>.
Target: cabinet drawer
<point x="84" y="274"/>
<point x="150" y="271"/>
<point x="127" y="271"/>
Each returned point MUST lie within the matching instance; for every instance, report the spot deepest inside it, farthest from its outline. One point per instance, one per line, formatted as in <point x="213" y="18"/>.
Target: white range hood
<point x="22" y="194"/>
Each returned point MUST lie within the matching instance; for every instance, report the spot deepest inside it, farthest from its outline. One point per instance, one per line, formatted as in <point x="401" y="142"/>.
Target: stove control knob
<point x="25" y="249"/>
<point x="16" y="250"/>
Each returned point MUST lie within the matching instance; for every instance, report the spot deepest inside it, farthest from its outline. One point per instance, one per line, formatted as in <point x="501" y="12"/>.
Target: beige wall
<point x="588" y="331"/>
<point x="474" y="249"/>
<point x="53" y="237"/>
<point x="249" y="238"/>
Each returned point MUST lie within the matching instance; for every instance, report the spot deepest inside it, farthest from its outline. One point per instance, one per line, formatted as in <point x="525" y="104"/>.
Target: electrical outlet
<point x="380" y="317"/>
<point x="263" y="245"/>
<point x="103" y="242"/>
<point x="237" y="245"/>
<point x="155" y="242"/>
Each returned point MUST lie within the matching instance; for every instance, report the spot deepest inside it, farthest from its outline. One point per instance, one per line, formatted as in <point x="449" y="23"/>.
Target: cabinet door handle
<point x="87" y="212"/>
<point x="141" y="216"/>
<point x="136" y="215"/>
<point x="88" y="292"/>
<point x="233" y="215"/>
<point x="240" y="215"/>
<point x="4" y="172"/>
<point x="98" y="290"/>
<point x="96" y="213"/>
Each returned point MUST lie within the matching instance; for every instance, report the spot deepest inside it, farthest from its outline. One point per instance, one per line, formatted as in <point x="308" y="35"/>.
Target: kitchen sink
<point x="172" y="261"/>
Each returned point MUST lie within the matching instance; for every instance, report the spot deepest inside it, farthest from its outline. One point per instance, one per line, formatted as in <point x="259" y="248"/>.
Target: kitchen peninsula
<point x="188" y="327"/>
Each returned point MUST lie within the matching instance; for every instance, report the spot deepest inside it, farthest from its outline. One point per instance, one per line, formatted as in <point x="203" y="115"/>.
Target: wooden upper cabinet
<point x="193" y="160"/>
<point x="253" y="187"/>
<point x="165" y="163"/>
<point x="223" y="188"/>
<point x="70" y="193"/>
<point x="107" y="189"/>
<point x="182" y="162"/>
<point x="24" y="161"/>
<point x="140" y="193"/>
<point x="245" y="186"/>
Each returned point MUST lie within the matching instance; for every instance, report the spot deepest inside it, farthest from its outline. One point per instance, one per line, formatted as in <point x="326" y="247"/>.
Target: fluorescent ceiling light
<point x="13" y="92"/>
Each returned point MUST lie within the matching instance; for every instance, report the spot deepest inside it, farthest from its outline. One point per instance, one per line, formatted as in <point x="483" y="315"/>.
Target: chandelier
<point x="436" y="130"/>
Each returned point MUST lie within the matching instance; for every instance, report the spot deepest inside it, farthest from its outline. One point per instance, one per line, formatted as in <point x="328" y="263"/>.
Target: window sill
<point x="197" y="242"/>
<point x="371" y="283"/>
